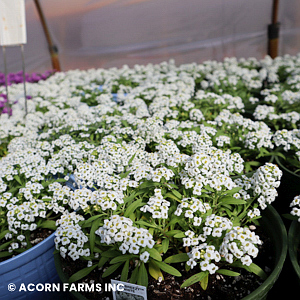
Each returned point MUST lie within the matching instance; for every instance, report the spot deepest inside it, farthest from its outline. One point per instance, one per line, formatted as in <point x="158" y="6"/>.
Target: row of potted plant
<point x="168" y="178"/>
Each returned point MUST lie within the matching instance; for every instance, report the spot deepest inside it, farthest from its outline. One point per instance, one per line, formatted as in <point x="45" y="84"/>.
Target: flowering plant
<point x="137" y="185"/>
<point x="295" y="204"/>
<point x="289" y="142"/>
<point x="15" y="78"/>
<point x="164" y="207"/>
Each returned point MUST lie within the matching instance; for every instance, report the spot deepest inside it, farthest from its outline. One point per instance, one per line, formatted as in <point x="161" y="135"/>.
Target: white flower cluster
<point x="288" y="139"/>
<point x="296" y="207"/>
<point x="133" y="240"/>
<point x="290" y="97"/>
<point x="263" y="111"/>
<point x="205" y="254"/>
<point x="216" y="225"/>
<point x="69" y="238"/>
<point x="266" y="112"/>
<point x="60" y="197"/>
<point x="253" y="134"/>
<point x="157" y="206"/>
<point x="259" y="138"/>
<point x="213" y="168"/>
<point x="264" y="183"/>
<point x="189" y="207"/>
<point x="213" y="226"/>
<point x="240" y="243"/>
<point x="222" y="139"/>
<point x="24" y="216"/>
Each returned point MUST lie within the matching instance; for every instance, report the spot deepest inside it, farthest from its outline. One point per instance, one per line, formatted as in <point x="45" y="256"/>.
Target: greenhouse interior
<point x="149" y="149"/>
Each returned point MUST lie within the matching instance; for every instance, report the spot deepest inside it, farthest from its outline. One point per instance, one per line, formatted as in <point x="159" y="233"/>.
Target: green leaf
<point x="286" y="216"/>
<point x="169" y="269"/>
<point x="207" y="187"/>
<point x="227" y="272"/>
<point x="131" y="159"/>
<point x="3" y="233"/>
<point x="154" y="254"/>
<point x="5" y="245"/>
<point x="231" y="200"/>
<point x="146" y="224"/>
<point x="172" y="232"/>
<point x="111" y="269"/>
<point x="123" y="175"/>
<point x="165" y="245"/>
<point x="124" y="274"/>
<point x="91" y="219"/>
<point x="204" y="282"/>
<point x="148" y="184"/>
<point x="132" y="207"/>
<point x="82" y="273"/>
<point x="129" y="198"/>
<point x="49" y="224"/>
<point x="5" y="254"/>
<point x="195" y="278"/>
<point x="252" y="268"/>
<point x="177" y="194"/>
<point x="177" y="258"/>
<point x="173" y="221"/>
<point x="122" y="258"/>
<point x="154" y="270"/>
<point x="111" y="253"/>
<point x="183" y="224"/>
<point x="18" y="179"/>
<point x="179" y="235"/>
<point x="134" y="275"/>
<point x="258" y="271"/>
<point x="277" y="153"/>
<point x="233" y="191"/>
<point x="102" y="261"/>
<point x="92" y="238"/>
<point x="169" y="195"/>
<point x="142" y="275"/>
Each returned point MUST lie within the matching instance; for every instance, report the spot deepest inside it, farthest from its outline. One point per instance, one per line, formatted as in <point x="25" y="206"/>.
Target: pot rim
<point x="279" y="162"/>
<point x="293" y="242"/>
<point x="269" y="282"/>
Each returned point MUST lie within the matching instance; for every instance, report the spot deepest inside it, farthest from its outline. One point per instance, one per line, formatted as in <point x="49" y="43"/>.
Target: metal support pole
<point x="24" y="78"/>
<point x="6" y="83"/>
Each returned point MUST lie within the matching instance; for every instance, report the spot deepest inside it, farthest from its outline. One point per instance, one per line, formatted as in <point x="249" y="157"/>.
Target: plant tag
<point x="127" y="290"/>
<point x="12" y="22"/>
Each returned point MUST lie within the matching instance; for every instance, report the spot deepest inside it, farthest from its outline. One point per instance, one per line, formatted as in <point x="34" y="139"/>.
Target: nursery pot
<point x="288" y="189"/>
<point x="294" y="243"/>
<point x="34" y="266"/>
<point x="272" y="225"/>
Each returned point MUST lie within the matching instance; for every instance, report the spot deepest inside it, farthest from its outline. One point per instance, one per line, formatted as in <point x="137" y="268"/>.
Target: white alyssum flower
<point x="240" y="243"/>
<point x="120" y="230"/>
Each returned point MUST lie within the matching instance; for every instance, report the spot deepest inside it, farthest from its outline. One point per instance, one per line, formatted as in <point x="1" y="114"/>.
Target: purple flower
<point x="4" y="97"/>
<point x="7" y="110"/>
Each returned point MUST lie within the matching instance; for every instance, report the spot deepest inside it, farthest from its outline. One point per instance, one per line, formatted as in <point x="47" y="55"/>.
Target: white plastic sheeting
<point x="110" y="33"/>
